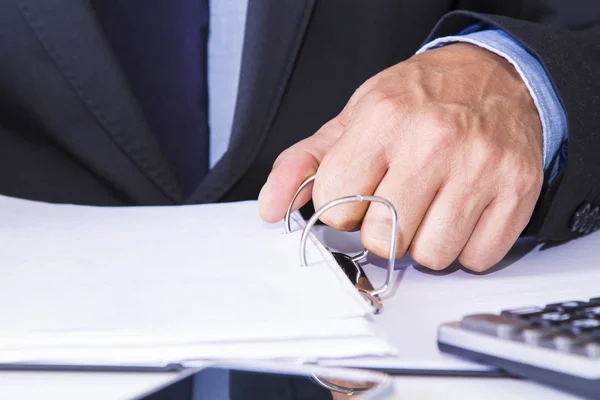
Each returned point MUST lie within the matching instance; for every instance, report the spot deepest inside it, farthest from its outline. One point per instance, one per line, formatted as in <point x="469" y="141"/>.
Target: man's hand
<point x="451" y="137"/>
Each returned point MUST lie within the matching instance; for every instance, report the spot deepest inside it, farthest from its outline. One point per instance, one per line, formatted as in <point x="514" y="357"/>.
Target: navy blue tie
<point x="161" y="46"/>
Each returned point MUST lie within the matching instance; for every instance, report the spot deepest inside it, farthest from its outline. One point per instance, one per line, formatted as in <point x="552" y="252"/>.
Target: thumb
<point x="291" y="168"/>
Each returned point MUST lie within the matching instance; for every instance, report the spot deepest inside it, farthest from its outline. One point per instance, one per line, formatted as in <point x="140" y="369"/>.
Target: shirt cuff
<point x="549" y="107"/>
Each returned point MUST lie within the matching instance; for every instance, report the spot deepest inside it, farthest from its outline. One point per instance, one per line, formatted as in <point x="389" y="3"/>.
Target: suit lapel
<point x="273" y="36"/>
<point x="70" y="33"/>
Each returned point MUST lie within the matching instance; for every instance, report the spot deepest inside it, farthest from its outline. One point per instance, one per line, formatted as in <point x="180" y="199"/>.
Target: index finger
<point x="292" y="168"/>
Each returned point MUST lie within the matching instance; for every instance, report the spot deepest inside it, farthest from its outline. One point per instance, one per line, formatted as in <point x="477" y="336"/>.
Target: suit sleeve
<point x="565" y="37"/>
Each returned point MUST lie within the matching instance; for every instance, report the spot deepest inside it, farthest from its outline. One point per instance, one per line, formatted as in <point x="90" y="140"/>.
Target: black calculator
<point x="556" y="344"/>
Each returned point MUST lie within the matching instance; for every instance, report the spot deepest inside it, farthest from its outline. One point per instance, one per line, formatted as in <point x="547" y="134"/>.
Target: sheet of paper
<point x="299" y="350"/>
<point x="420" y="300"/>
<point x="90" y="278"/>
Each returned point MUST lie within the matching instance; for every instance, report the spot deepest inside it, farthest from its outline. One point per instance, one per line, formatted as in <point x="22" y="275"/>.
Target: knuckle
<point x="388" y="106"/>
<point x="344" y="218"/>
<point x="520" y="179"/>
<point x="282" y="157"/>
<point x="474" y="262"/>
<point x="376" y="235"/>
<point x="377" y="246"/>
<point x="294" y="152"/>
<point x="284" y="154"/>
<point x="439" y="132"/>
<point x="484" y="152"/>
<point x="482" y="160"/>
<point x="440" y="122"/>
<point x="526" y="181"/>
<point x="429" y="258"/>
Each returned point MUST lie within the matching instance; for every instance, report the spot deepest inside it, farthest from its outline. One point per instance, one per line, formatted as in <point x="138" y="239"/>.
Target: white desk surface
<point x="451" y="388"/>
<point x="113" y="386"/>
<point x="78" y="385"/>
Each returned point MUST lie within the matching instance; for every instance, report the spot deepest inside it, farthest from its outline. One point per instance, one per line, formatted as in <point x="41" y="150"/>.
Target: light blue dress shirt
<point x="227" y="22"/>
<point x="225" y="43"/>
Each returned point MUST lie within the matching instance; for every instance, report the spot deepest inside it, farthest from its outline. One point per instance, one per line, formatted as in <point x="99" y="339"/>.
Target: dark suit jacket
<point x="71" y="130"/>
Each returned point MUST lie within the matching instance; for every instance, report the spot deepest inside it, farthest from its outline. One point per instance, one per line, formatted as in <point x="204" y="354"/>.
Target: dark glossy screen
<point x="222" y="384"/>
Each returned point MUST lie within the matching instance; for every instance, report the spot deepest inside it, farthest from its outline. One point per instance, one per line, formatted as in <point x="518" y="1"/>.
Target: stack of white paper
<point x="157" y="285"/>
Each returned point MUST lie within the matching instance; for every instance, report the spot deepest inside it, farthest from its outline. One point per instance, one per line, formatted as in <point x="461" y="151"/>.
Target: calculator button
<point x="535" y="336"/>
<point x="492" y="324"/>
<point x="525" y="312"/>
<point x="564" y="343"/>
<point x="593" y="310"/>
<point x="567" y="306"/>
<point x="579" y="326"/>
<point x="589" y="312"/>
<point x="551" y="319"/>
<point x="592" y="349"/>
<point x="595" y="300"/>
